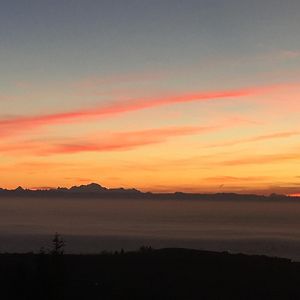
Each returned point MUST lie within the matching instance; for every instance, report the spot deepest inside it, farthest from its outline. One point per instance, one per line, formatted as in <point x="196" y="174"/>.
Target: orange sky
<point x="196" y="96"/>
<point x="197" y="142"/>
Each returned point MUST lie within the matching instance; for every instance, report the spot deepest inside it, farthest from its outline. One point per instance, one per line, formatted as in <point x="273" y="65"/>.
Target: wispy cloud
<point x="13" y="125"/>
<point x="261" y="159"/>
<point x="231" y="179"/>
<point x="289" y="54"/>
<point x="116" y="141"/>
<point x="280" y="55"/>
<point x="276" y="135"/>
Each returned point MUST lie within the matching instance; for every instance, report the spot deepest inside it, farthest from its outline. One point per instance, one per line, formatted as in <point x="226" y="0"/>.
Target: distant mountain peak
<point x="91" y="187"/>
<point x="19" y="189"/>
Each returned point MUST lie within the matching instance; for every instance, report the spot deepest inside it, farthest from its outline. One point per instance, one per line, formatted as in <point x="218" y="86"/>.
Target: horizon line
<point x="59" y="188"/>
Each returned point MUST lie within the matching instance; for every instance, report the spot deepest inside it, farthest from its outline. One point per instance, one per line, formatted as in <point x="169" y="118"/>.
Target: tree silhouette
<point x="58" y="245"/>
<point x="57" y="269"/>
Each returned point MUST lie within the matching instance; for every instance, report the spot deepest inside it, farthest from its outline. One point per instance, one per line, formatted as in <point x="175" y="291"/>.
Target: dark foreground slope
<point x="148" y="274"/>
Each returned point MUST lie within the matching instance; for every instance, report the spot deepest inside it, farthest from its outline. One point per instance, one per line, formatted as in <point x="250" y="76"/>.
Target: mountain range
<point x="95" y="190"/>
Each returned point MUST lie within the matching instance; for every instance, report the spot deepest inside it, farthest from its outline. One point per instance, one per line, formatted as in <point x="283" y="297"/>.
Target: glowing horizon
<point x="153" y="96"/>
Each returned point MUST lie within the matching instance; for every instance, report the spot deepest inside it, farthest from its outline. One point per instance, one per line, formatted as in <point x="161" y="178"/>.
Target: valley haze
<point x="93" y="218"/>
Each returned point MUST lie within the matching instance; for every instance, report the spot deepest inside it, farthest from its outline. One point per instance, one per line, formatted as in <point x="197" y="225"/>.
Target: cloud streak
<point x="262" y="159"/>
<point x="289" y="54"/>
<point x="14" y="125"/>
<point x="117" y="141"/>
<point x="276" y="135"/>
<point x="233" y="179"/>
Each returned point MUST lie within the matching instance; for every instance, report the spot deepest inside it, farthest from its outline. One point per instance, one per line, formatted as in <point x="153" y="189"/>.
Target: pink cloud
<point x="13" y="125"/>
<point x="290" y="54"/>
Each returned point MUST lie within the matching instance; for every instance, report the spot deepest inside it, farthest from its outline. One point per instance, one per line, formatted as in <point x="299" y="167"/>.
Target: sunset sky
<point x="160" y="95"/>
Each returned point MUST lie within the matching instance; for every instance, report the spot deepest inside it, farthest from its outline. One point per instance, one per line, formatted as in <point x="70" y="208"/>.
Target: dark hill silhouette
<point x="148" y="274"/>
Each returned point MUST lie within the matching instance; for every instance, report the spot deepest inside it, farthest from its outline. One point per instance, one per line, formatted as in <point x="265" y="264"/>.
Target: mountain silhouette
<point x="96" y="190"/>
<point x="89" y="188"/>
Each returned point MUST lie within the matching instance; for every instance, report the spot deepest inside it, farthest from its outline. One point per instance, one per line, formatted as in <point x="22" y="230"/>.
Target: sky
<point x="168" y="95"/>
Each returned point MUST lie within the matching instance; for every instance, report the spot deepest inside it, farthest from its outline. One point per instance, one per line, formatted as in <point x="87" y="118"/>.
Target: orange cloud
<point x="225" y="179"/>
<point x="262" y="159"/>
<point x="276" y="135"/>
<point x="118" y="141"/>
